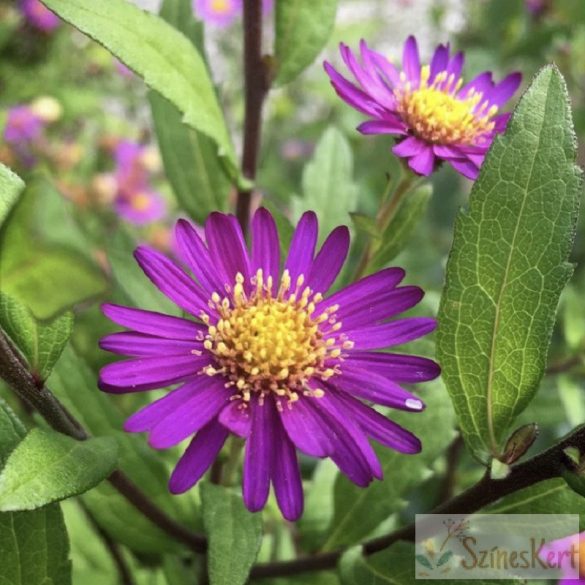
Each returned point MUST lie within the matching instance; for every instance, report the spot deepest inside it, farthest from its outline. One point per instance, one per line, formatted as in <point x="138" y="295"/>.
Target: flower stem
<point x="387" y="211"/>
<point x="256" y="85"/>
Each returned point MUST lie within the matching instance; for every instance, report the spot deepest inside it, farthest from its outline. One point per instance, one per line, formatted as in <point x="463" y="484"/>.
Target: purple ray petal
<point x="138" y="344"/>
<point x="153" y="323"/>
<point x="171" y="280"/>
<point x="410" y="146"/>
<point x="504" y="90"/>
<point x="387" y="72"/>
<point x="454" y="68"/>
<point x="148" y="373"/>
<point x="386" y="126"/>
<point x="398" y="367"/>
<point x="411" y="61"/>
<point x="423" y="163"/>
<point x="226" y="246"/>
<point x="198" y="457"/>
<point x="286" y="477"/>
<point x="258" y="456"/>
<point x="195" y="254"/>
<point x="501" y="122"/>
<point x="393" y="333"/>
<point x="146" y="418"/>
<point x="236" y="418"/>
<point x="375" y="388"/>
<point x="329" y="261"/>
<point x="482" y="83"/>
<point x="439" y="62"/>
<point x="265" y="245"/>
<point x="211" y="396"/>
<point x="363" y="288"/>
<point x="467" y="168"/>
<point x="302" y="247"/>
<point x="384" y="305"/>
<point x="306" y="428"/>
<point x="381" y="429"/>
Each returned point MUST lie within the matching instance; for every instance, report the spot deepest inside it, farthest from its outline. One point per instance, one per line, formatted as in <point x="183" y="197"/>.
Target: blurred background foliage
<point x="67" y="246"/>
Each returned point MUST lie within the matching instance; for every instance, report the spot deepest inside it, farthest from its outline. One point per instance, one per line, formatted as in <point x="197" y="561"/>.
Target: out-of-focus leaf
<point x="572" y="399"/>
<point x="234" y="535"/>
<point x="396" y="235"/>
<point x="74" y="384"/>
<point x="40" y="342"/>
<point x="359" y="511"/>
<point x="302" y="30"/>
<point x="573" y="317"/>
<point x="165" y="58"/>
<point x="328" y="187"/>
<point x="34" y="549"/>
<point x="47" y="467"/>
<point x="508" y="266"/>
<point x="191" y="162"/>
<point x="130" y="278"/>
<point x="11" y="186"/>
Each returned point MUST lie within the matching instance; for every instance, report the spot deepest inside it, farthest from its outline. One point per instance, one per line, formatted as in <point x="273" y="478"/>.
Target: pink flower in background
<point x="23" y="125"/>
<point x="566" y="549"/>
<point x="222" y="13"/>
<point x="39" y="16"/>
<point x="136" y="201"/>
<point x="433" y="114"/>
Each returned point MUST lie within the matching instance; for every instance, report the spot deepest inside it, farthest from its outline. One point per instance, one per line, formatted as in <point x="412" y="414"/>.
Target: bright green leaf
<point x="359" y="511"/>
<point x="234" y="535"/>
<point x="40" y="342"/>
<point x="328" y="187"/>
<point x="396" y="235"/>
<point x="11" y="186"/>
<point x="302" y="31"/>
<point x="508" y="266"/>
<point x="166" y="59"/>
<point x="47" y="467"/>
<point x="34" y="549"/>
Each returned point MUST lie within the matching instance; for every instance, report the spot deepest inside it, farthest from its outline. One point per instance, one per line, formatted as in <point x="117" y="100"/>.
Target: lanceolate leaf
<point x="166" y="59"/>
<point x="11" y="187"/>
<point x="234" y="535"/>
<point x="40" y="342"/>
<point x="328" y="187"/>
<point x="359" y="511"/>
<point x="508" y="266"/>
<point x="34" y="548"/>
<point x="191" y="161"/>
<point x="303" y="28"/>
<point x="47" y="467"/>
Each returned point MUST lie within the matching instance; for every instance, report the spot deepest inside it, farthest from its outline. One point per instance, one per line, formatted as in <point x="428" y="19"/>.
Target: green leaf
<point x="328" y="187"/>
<point x="47" y="467"/>
<point x="74" y="384"/>
<point x="190" y="158"/>
<point x="302" y="31"/>
<point x="11" y="186"/>
<point x="359" y="511"/>
<point x="398" y="232"/>
<point x="34" y="549"/>
<point x="166" y="59"/>
<point x="234" y="535"/>
<point x="40" y="342"/>
<point x="130" y="278"/>
<point x="394" y="566"/>
<point x="508" y="266"/>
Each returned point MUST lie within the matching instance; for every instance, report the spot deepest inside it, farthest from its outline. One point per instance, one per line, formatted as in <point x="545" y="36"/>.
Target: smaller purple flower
<point x="570" y="551"/>
<point x="536" y="7"/>
<point x="141" y="208"/>
<point x="39" y="16"/>
<point x="433" y="113"/>
<point x="220" y="13"/>
<point x="23" y="125"/>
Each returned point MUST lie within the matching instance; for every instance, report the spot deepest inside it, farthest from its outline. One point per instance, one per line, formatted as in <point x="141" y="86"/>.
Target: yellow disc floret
<point x="437" y="115"/>
<point x="273" y="343"/>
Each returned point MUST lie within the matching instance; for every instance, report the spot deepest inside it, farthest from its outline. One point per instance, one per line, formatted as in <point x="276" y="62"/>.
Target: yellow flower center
<point x="140" y="202"/>
<point x="221" y="6"/>
<point x="434" y="113"/>
<point x="273" y="343"/>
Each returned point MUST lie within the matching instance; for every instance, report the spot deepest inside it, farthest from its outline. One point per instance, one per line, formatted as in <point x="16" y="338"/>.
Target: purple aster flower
<point x="39" y="16"/>
<point x="570" y="551"/>
<point x="135" y="199"/>
<point x="435" y="116"/>
<point x="23" y="125"/>
<point x="218" y="12"/>
<point x="269" y="356"/>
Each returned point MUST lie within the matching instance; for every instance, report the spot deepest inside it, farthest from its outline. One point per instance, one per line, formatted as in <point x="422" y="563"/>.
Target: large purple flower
<point x="269" y="356"/>
<point x="435" y="116"/>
